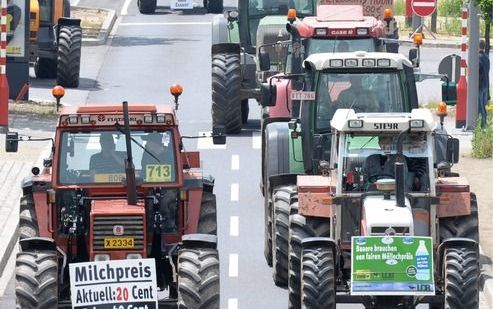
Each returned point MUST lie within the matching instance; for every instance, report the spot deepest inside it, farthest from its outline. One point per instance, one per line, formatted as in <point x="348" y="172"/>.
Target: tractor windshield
<point x="258" y="9"/>
<point x="315" y="46"/>
<point x="367" y="157"/>
<point x="98" y="157"/>
<point x="370" y="92"/>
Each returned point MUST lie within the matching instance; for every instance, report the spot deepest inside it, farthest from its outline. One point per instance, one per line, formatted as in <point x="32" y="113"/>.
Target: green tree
<point x="486" y="9"/>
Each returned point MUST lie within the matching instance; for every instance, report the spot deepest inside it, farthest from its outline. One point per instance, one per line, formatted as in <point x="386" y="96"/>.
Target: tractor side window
<point x="45" y="11"/>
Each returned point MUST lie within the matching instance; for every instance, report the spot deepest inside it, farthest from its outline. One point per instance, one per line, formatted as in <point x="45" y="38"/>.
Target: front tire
<point x="461" y="226"/>
<point x="69" y="54"/>
<point x="28" y="222"/>
<point x="147" y="6"/>
<point x="226" y="83"/>
<point x="36" y="280"/>
<point x="461" y="278"/>
<point x="318" y="278"/>
<point x="301" y="227"/>
<point x="45" y="68"/>
<point x="198" y="278"/>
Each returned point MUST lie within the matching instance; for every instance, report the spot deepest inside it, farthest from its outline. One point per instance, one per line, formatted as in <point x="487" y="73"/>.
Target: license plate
<point x="119" y="242"/>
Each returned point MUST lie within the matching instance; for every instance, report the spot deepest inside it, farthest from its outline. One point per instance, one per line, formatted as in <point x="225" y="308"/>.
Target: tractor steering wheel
<point x="376" y="177"/>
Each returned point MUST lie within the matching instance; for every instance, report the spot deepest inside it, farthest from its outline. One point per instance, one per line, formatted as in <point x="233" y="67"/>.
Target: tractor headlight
<point x="134" y="256"/>
<point x="148" y="118"/>
<point x="383" y="62"/>
<point x="351" y="63"/>
<point x="73" y="119"/>
<point x="161" y="118"/>
<point x="336" y="63"/>
<point x="101" y="257"/>
<point x="362" y="31"/>
<point x="321" y="31"/>
<point x="355" y="123"/>
<point x="368" y="62"/>
<point x="416" y="123"/>
<point x="85" y="119"/>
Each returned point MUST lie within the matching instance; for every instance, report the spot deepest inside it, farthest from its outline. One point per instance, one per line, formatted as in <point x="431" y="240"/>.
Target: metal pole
<point x="460" y="115"/>
<point x="416" y="22"/>
<point x="4" y="85"/>
<point x="473" y="67"/>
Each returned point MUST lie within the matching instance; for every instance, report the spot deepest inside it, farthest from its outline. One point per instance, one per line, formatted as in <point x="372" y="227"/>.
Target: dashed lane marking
<point x="234" y="226"/>
<point x="256" y="140"/>
<point x="206" y="142"/>
<point x="235" y="162"/>
<point x="199" y="23"/>
<point x="233" y="303"/>
<point x="233" y="265"/>
<point x="235" y="192"/>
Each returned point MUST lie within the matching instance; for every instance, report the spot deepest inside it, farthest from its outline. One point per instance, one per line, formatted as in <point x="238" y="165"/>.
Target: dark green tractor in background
<point x="236" y="38"/>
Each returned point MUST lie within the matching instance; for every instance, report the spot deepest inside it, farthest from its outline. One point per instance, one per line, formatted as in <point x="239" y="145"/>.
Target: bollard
<point x="461" y="112"/>
<point x="4" y="85"/>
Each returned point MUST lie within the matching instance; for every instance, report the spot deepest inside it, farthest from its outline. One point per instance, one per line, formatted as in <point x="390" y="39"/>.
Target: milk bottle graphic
<point x="422" y="258"/>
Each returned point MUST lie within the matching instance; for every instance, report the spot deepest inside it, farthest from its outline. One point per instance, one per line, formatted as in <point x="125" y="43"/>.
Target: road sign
<point x="450" y="66"/>
<point x="424" y="8"/>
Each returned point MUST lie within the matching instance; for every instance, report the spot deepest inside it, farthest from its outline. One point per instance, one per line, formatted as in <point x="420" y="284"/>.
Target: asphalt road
<point x="145" y="56"/>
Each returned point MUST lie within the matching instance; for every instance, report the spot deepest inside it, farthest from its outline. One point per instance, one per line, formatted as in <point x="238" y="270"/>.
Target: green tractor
<point x="236" y="40"/>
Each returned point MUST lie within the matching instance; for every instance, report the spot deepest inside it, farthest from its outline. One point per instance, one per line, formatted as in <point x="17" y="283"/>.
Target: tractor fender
<point x="67" y="21"/>
<point x="275" y="150"/>
<point x="225" y="48"/>
<point x="281" y="180"/>
<point x="37" y="243"/>
<point x="452" y="242"/>
<point x="30" y="184"/>
<point x="199" y="240"/>
<point x="220" y="31"/>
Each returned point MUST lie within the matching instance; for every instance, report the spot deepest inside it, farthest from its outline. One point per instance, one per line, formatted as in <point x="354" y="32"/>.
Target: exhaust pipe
<point x="399" y="184"/>
<point x="296" y="61"/>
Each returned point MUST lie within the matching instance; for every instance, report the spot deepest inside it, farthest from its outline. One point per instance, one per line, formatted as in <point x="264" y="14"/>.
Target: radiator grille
<point x="133" y="226"/>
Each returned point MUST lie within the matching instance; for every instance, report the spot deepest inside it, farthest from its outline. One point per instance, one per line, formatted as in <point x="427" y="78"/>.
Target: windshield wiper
<point x="138" y="144"/>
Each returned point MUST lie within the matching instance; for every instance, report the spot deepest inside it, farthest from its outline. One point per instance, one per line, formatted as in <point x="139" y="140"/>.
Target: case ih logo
<point x="118" y="230"/>
<point x="341" y="32"/>
<point x="101" y="118"/>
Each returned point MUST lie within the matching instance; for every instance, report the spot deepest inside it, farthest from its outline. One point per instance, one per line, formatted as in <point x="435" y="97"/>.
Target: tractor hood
<point x="382" y="215"/>
<point x="110" y="207"/>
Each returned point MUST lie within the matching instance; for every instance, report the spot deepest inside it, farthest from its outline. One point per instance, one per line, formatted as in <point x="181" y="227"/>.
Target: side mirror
<point x="11" y="141"/>
<point x="268" y="94"/>
<point x="453" y="150"/>
<point x="219" y="135"/>
<point x="413" y="56"/>
<point x="264" y="60"/>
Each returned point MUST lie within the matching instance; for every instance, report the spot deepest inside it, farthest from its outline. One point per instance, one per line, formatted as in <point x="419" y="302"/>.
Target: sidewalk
<point x="13" y="168"/>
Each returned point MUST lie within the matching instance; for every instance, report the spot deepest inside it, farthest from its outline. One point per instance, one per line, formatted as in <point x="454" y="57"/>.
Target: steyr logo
<point x="118" y="230"/>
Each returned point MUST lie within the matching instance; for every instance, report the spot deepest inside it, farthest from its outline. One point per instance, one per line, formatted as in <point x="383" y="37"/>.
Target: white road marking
<point x="198" y="23"/>
<point x="206" y="142"/>
<point x="233" y="265"/>
<point x="423" y="4"/>
<point x="235" y="162"/>
<point x="234" y="226"/>
<point x="256" y="140"/>
<point x="233" y="303"/>
<point x="235" y="192"/>
<point x="124" y="10"/>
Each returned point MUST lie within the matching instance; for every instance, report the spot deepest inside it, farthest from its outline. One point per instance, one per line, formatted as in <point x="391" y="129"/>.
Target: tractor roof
<point x="347" y="120"/>
<point x="341" y="21"/>
<point x="96" y="115"/>
<point x="354" y="60"/>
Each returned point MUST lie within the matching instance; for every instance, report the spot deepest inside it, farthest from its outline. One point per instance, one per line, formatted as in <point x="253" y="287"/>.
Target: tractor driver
<point x="357" y="97"/>
<point x="107" y="160"/>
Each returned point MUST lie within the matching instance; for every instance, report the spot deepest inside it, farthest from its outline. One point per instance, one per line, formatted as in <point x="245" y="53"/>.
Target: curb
<point x="105" y="30"/>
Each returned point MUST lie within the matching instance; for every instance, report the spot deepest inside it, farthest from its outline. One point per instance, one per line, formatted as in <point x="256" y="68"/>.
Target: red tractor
<point x="118" y="185"/>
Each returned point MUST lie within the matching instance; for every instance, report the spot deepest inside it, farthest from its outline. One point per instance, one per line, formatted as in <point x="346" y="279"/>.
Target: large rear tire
<point x="462" y="226"/>
<point x="226" y="83"/>
<point x="45" y="68"/>
<point x="461" y="284"/>
<point x="208" y="214"/>
<point x="198" y="278"/>
<point x="28" y="222"/>
<point x="69" y="53"/>
<point x="280" y="232"/>
<point x="318" y="278"/>
<point x="147" y="6"/>
<point x="215" y="6"/>
<point x="36" y="280"/>
<point x="301" y="227"/>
